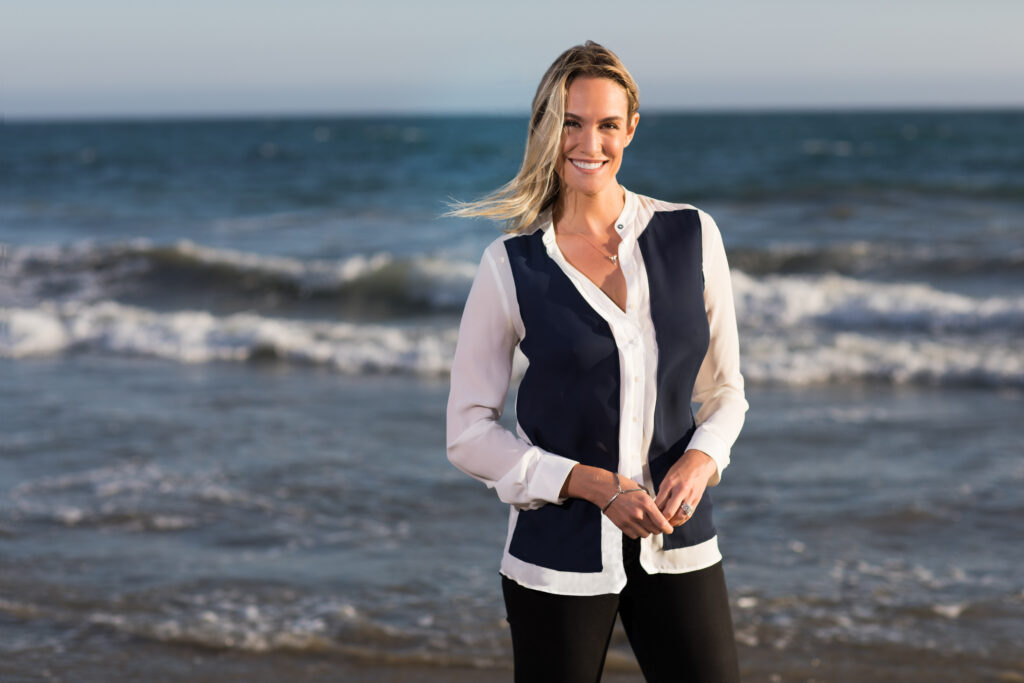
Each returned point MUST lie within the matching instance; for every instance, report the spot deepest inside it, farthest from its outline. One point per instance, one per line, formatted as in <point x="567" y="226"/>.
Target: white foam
<point x="952" y="611"/>
<point x="199" y="337"/>
<point x="224" y="620"/>
<point x="834" y="301"/>
<point x="315" y="273"/>
<point x="815" y="329"/>
<point x="804" y="359"/>
<point x="794" y="330"/>
<point x="285" y="621"/>
<point x="27" y="332"/>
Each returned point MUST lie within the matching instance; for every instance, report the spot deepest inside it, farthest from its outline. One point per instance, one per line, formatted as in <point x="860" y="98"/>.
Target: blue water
<point x="225" y="343"/>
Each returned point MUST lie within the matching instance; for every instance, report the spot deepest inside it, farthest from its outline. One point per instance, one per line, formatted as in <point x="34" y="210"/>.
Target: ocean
<point x="224" y="347"/>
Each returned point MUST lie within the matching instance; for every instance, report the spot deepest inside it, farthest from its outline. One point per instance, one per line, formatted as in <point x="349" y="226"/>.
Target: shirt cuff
<point x="705" y="440"/>
<point x="549" y="476"/>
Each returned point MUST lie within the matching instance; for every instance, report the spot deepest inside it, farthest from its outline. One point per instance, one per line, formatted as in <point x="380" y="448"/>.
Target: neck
<point x="590" y="213"/>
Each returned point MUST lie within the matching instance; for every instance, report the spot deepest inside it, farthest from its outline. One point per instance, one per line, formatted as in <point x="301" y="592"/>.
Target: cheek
<point x="568" y="139"/>
<point x="615" y="146"/>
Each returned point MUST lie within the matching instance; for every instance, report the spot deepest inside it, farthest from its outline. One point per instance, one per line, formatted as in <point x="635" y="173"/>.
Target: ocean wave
<point x="803" y="330"/>
<point x="794" y="330"/>
<point x="849" y="357"/>
<point x="876" y="606"/>
<point x="836" y="302"/>
<point x="165" y="275"/>
<point x="266" y="619"/>
<point x="200" y="337"/>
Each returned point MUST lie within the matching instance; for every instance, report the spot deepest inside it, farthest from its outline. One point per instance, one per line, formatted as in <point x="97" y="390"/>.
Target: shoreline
<point x="96" y="658"/>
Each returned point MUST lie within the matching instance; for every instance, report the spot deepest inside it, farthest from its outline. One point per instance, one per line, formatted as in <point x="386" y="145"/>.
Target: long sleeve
<point x="522" y="474"/>
<point x="719" y="385"/>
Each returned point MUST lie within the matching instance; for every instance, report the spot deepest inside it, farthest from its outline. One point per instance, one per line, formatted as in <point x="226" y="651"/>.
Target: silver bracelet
<point x="620" y="491"/>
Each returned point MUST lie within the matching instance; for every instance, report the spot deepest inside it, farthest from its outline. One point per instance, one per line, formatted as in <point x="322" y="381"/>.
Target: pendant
<point x="614" y="259"/>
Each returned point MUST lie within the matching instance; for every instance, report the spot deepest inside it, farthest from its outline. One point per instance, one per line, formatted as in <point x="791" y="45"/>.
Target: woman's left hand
<point x="684" y="483"/>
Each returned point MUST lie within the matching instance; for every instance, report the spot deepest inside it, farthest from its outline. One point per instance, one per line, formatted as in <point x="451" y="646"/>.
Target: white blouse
<point x="526" y="476"/>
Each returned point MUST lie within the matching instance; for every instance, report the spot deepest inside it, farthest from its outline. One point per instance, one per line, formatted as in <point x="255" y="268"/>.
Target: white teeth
<point x="586" y="166"/>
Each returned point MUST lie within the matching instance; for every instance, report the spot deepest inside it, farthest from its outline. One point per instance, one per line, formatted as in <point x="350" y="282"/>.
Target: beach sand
<point x="142" y="660"/>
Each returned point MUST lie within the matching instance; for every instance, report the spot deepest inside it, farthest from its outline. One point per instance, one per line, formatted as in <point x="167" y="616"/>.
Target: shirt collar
<point x="625" y="224"/>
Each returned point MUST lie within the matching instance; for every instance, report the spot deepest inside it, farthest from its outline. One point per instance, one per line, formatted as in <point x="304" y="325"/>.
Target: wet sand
<point x="139" y="660"/>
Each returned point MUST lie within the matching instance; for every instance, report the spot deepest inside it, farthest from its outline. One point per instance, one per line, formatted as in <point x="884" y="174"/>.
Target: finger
<point x="670" y="506"/>
<point x="674" y="499"/>
<point x="658" y="522"/>
<point x="643" y="518"/>
<point x="642" y="521"/>
<point x="627" y="525"/>
<point x="665" y="493"/>
<point x="677" y="519"/>
<point x="634" y="527"/>
<point x="636" y="522"/>
<point x="680" y="519"/>
<point x="671" y="497"/>
<point x="680" y="515"/>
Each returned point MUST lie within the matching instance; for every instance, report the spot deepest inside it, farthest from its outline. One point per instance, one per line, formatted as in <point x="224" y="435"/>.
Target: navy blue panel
<point x="673" y="255"/>
<point x="568" y="402"/>
<point x="565" y="537"/>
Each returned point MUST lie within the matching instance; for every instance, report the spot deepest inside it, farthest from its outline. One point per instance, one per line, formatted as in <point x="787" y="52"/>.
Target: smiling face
<point x="597" y="128"/>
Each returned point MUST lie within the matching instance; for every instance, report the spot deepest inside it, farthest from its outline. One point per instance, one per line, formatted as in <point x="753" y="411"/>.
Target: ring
<point x="686" y="509"/>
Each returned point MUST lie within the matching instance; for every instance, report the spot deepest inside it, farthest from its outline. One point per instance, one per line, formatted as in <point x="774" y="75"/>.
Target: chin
<point x="588" y="189"/>
<point x="589" y="185"/>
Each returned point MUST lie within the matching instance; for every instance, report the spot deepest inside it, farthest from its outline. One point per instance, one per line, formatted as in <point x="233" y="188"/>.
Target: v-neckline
<point x="584" y="276"/>
<point x="587" y="288"/>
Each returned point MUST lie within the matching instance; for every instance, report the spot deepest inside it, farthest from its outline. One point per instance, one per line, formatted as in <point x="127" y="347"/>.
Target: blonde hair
<point x="536" y="186"/>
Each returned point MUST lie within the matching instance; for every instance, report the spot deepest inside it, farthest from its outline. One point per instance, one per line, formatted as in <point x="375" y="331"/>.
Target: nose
<point x="590" y="142"/>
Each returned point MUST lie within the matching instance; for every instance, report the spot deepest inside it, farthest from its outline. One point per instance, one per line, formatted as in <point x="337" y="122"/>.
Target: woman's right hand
<point x="634" y="513"/>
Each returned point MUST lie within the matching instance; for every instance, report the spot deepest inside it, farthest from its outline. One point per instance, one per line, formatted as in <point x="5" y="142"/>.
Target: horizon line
<point x="199" y="115"/>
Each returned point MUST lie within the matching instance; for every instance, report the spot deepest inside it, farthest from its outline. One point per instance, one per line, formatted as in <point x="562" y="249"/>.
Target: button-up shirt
<point x="527" y="476"/>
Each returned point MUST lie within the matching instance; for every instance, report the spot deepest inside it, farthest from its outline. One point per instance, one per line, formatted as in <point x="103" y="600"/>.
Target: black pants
<point x="678" y="625"/>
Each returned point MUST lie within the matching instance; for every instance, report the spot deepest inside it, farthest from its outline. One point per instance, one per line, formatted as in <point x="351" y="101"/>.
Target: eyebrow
<point x="607" y="119"/>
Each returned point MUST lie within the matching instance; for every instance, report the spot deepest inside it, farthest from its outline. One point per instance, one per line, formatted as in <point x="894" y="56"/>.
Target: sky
<point x="128" y="58"/>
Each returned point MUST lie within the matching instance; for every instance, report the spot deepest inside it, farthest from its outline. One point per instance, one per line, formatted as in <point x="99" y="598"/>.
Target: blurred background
<point x="228" y="303"/>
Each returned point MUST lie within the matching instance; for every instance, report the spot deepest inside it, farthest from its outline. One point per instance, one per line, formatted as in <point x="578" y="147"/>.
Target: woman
<point x="622" y="305"/>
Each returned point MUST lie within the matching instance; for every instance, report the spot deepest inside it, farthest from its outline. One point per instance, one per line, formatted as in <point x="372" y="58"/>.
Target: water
<point x="225" y="344"/>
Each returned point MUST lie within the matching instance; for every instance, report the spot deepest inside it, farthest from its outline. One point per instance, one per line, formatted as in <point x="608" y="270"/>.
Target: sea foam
<point x="795" y="329"/>
<point x="199" y="337"/>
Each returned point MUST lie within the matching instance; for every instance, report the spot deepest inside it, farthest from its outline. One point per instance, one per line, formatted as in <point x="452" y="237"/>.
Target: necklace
<point x="614" y="258"/>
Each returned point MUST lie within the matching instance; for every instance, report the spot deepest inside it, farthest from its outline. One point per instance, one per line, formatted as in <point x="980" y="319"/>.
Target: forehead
<point x="599" y="97"/>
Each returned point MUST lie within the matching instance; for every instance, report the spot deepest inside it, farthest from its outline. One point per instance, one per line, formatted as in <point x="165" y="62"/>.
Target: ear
<point x="631" y="128"/>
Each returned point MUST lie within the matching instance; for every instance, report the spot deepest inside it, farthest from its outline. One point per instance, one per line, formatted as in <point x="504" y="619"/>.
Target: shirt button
<point x="619" y="226"/>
